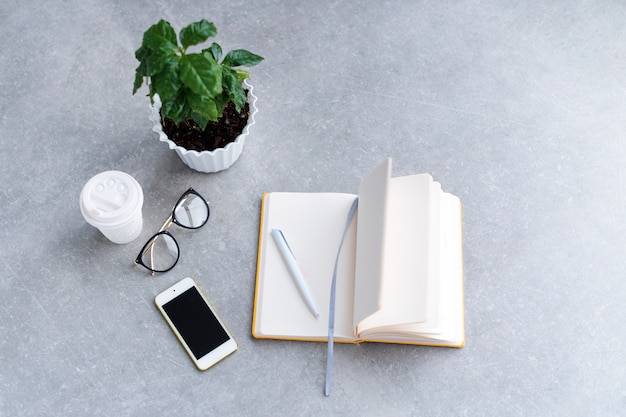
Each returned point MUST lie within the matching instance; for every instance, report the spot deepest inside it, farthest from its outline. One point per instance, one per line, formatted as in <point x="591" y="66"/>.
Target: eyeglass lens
<point x="191" y="212"/>
<point x="162" y="254"/>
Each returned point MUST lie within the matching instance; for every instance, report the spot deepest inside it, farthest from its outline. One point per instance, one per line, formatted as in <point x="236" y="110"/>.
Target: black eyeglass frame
<point x="164" y="231"/>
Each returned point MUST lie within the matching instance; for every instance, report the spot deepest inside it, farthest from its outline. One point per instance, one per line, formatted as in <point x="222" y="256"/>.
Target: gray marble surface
<point x="516" y="107"/>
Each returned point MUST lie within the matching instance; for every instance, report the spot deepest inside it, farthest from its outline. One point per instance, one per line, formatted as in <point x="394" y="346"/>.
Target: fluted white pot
<point x="207" y="161"/>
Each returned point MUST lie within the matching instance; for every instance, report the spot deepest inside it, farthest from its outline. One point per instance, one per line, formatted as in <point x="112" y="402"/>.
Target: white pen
<point x="296" y="274"/>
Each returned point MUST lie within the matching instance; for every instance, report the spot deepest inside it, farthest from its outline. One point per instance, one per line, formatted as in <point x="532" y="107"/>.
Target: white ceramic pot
<point x="207" y="161"/>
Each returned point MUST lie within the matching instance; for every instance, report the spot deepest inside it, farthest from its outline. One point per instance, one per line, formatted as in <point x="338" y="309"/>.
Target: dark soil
<point x="216" y="135"/>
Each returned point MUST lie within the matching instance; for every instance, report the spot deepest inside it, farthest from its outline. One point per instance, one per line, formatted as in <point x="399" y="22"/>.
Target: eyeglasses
<point x="161" y="252"/>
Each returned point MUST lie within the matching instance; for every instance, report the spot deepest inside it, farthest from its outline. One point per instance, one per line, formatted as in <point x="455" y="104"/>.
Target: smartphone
<point x="194" y="322"/>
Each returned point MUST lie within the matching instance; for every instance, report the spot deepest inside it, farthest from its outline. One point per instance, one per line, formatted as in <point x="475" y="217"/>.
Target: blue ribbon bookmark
<point x="331" y="319"/>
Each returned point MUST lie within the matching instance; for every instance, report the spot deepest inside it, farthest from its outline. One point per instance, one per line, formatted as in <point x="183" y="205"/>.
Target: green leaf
<point x="197" y="33"/>
<point x="151" y="91"/>
<point x="215" y="50"/>
<point x="138" y="80"/>
<point x="203" y="106"/>
<point x="241" y="57"/>
<point x="156" y="60"/>
<point x="242" y="75"/>
<point x="220" y="102"/>
<point x="175" y="108"/>
<point x="200" y="120"/>
<point x="167" y="82"/>
<point x="236" y="94"/>
<point x="160" y="36"/>
<point x="201" y="74"/>
<point x="142" y="70"/>
<point x="141" y="54"/>
<point x="154" y="57"/>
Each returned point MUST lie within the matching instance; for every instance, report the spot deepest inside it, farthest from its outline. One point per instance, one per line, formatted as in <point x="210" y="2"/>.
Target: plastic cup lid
<point x="110" y="199"/>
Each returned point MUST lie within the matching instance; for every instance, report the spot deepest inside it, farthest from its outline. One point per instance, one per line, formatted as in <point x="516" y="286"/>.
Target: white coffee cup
<point x="112" y="202"/>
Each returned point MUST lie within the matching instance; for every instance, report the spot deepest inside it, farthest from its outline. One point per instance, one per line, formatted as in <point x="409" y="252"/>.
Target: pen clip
<point x="282" y="236"/>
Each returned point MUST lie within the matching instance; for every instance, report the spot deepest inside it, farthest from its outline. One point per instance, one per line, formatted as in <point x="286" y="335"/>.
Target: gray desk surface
<point x="518" y="109"/>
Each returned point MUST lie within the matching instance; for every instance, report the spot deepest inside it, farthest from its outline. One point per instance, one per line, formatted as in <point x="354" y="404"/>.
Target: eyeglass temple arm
<point x="167" y="223"/>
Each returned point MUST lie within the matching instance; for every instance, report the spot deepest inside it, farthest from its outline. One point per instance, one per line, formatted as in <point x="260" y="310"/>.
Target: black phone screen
<point x="195" y="322"/>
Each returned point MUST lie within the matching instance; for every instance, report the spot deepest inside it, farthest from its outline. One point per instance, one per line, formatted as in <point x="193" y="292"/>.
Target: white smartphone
<point x="193" y="321"/>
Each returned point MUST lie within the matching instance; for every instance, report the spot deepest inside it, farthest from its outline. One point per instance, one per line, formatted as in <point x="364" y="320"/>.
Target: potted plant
<point x="202" y="105"/>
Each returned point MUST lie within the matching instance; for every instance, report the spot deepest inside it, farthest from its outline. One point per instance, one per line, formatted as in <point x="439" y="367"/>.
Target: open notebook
<point x="400" y="270"/>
